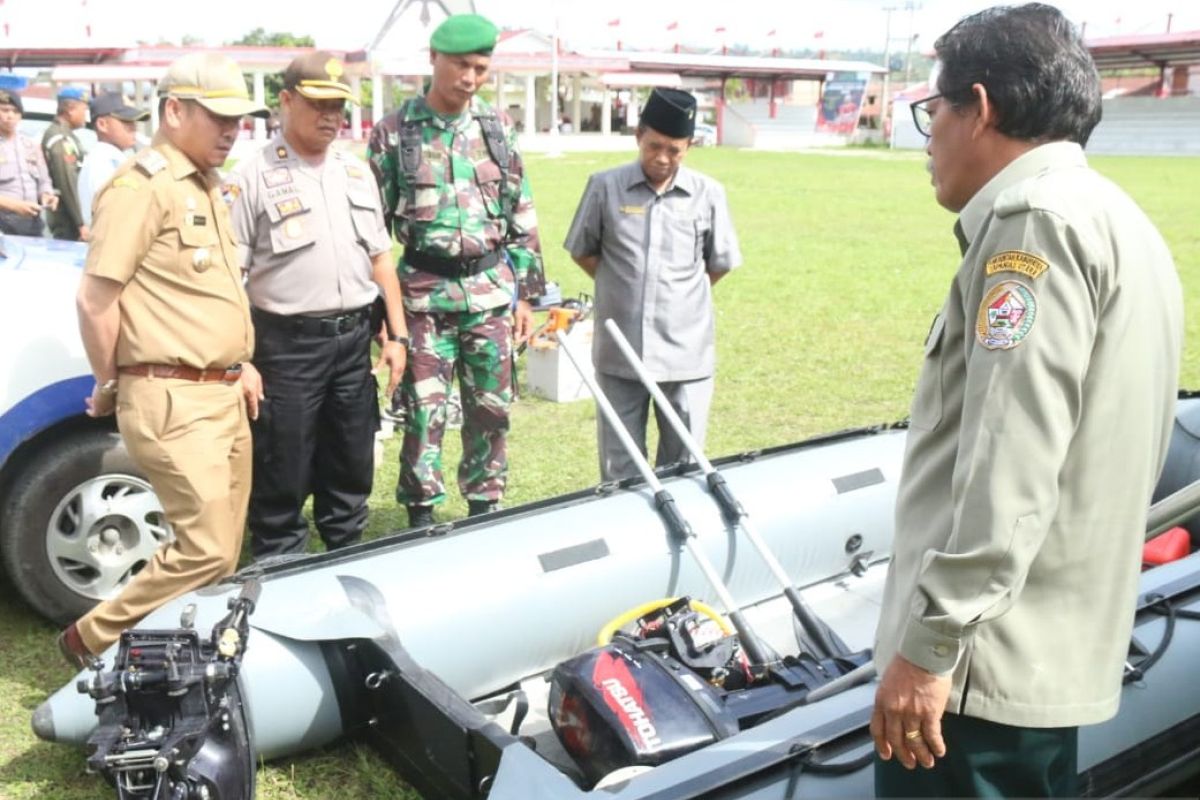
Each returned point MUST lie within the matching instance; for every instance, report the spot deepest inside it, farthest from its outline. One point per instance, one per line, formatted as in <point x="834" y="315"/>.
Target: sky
<point x="351" y="24"/>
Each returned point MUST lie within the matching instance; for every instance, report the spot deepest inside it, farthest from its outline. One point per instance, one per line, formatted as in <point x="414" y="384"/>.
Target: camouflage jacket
<point x="458" y="211"/>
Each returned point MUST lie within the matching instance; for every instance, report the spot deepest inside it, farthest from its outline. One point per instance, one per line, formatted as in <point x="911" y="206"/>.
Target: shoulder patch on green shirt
<point x="1017" y="261"/>
<point x="1006" y="315"/>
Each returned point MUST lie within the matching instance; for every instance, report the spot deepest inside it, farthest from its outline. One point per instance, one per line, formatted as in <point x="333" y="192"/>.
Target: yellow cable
<point x="611" y="627"/>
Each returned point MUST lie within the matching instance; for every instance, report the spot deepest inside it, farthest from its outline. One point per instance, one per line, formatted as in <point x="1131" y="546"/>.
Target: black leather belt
<point x="332" y="325"/>
<point x="451" y="267"/>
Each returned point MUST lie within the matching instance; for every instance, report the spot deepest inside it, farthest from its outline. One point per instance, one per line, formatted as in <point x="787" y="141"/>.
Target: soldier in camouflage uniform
<point x="457" y="197"/>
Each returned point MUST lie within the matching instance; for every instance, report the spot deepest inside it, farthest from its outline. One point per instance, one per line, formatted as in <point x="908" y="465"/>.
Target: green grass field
<point x="847" y="259"/>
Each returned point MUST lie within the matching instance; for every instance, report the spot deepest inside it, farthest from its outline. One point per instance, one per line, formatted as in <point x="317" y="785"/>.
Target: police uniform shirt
<point x="307" y="234"/>
<point x="1039" y="425"/>
<point x="23" y="173"/>
<point x="163" y="231"/>
<point x="655" y="252"/>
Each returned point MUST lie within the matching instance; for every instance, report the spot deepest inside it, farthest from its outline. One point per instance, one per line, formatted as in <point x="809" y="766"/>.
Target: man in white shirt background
<point x="115" y="122"/>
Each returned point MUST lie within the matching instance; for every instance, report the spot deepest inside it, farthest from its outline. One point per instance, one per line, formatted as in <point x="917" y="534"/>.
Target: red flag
<point x="673" y="26"/>
<point x="819" y="35"/>
<point x="771" y="32"/>
<point x="614" y="22"/>
<point x="719" y="30"/>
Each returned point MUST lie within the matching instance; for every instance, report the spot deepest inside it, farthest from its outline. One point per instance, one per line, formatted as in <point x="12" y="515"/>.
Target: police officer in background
<point x="24" y="182"/>
<point x="656" y="237"/>
<point x="457" y="197"/>
<point x="114" y="120"/>
<point x="166" y="325"/>
<point x="317" y="254"/>
<point x="1039" y="427"/>
<point x="64" y="156"/>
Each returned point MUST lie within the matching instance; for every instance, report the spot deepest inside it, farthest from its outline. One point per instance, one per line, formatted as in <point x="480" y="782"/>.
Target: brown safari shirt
<point x="162" y="230"/>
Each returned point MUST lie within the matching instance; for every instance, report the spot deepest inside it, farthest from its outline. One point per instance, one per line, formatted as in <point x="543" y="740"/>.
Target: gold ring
<point x="912" y="735"/>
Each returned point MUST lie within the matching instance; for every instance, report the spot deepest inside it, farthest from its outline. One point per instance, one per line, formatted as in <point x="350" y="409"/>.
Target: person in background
<point x="114" y="120"/>
<point x="25" y="187"/>
<point x="656" y="237"/>
<point x="64" y="155"/>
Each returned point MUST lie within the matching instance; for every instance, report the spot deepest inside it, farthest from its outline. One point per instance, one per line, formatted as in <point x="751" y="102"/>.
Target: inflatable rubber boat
<point x="443" y="646"/>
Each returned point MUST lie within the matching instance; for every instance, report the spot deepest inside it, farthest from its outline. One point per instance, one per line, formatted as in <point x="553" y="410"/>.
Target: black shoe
<point x="420" y="516"/>
<point x="477" y="507"/>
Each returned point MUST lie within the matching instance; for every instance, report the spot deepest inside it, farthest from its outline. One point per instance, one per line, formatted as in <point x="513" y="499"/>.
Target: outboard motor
<point x="172" y="722"/>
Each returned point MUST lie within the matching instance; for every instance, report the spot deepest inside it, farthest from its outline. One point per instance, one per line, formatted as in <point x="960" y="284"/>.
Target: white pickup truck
<point x="77" y="517"/>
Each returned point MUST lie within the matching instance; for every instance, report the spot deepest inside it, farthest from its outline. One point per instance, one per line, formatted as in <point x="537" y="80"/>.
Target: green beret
<point x="464" y="33"/>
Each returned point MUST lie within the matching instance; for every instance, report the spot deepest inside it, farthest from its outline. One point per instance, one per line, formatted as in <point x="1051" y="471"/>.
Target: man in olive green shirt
<point x="1039" y="427"/>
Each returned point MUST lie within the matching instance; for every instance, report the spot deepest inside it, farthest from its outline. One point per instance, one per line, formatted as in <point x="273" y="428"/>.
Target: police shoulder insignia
<point x="1006" y="315"/>
<point x="128" y="181"/>
<point x="281" y="152"/>
<point x="1017" y="261"/>
<point x="151" y="161"/>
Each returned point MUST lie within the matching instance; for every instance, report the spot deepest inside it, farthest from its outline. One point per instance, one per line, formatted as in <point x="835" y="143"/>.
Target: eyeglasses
<point x="921" y="116"/>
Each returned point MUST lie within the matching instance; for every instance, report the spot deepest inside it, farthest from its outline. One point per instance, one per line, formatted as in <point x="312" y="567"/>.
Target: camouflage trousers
<point x="478" y="348"/>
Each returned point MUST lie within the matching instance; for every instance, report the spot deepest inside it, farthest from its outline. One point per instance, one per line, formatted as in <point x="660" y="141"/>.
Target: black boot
<point x="477" y="507"/>
<point x="420" y="516"/>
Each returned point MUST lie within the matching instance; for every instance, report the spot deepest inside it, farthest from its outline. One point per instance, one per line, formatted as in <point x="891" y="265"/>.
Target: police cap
<point x="318" y="76"/>
<point x="671" y="112"/>
<point x="112" y="104"/>
<point x="464" y="33"/>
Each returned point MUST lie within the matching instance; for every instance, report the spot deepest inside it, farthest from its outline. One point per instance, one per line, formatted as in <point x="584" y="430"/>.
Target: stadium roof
<point x="1154" y="50"/>
<point x="707" y="65"/>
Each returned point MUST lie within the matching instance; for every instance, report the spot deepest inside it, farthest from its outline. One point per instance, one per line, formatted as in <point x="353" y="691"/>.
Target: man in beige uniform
<point x="166" y="326"/>
<point x="1039" y="427"/>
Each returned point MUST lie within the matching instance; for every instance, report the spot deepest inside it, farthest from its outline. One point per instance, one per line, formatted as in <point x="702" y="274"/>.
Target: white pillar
<point x="377" y="109"/>
<point x="606" y="112"/>
<point x="631" y="110"/>
<point x="530" y="105"/>
<point x="356" y="109"/>
<point x="500" y="104"/>
<point x="260" y="97"/>
<point x="577" y="103"/>
<point x="154" y="121"/>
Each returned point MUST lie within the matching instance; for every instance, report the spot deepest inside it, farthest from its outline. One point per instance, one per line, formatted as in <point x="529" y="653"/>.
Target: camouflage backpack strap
<point x="410" y="150"/>
<point x="497" y="145"/>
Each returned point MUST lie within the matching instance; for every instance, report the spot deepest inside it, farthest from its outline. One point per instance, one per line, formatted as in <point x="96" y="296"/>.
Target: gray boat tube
<point x="665" y="504"/>
<point x="822" y="642"/>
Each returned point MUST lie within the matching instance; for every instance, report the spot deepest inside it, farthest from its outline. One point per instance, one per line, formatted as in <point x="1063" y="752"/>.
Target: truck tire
<point x="77" y="523"/>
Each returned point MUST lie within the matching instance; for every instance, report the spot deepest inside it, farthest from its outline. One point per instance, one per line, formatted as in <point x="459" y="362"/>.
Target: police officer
<point x="655" y="236"/>
<point x="317" y="255"/>
<point x="64" y="155"/>
<point x="1039" y="426"/>
<point x="114" y="120"/>
<point x="25" y="186"/>
<point x="166" y="326"/>
<point x="457" y="197"/>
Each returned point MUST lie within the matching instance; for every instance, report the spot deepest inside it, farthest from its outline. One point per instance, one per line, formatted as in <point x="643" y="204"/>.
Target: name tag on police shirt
<point x="633" y="210"/>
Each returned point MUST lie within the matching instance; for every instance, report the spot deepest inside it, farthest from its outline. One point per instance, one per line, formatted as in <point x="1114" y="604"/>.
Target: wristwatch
<point x="109" y="387"/>
<point x="398" y="339"/>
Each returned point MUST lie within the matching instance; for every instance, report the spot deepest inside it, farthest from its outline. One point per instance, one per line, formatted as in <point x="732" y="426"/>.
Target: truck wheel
<point x="78" y="522"/>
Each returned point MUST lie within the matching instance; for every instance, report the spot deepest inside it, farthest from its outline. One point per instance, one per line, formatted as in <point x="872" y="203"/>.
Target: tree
<point x="259" y="37"/>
